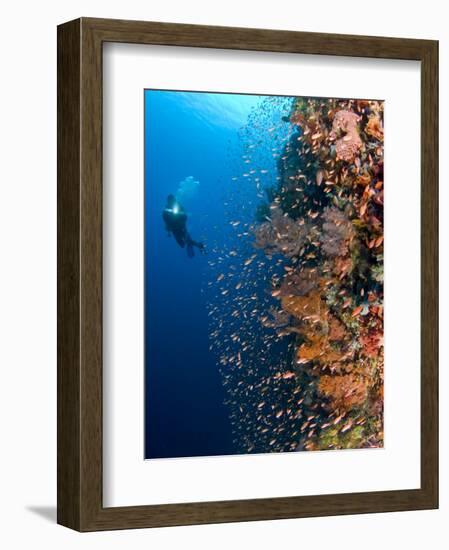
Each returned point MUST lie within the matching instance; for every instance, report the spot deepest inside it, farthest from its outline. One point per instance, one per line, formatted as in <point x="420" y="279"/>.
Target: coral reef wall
<point x="325" y="218"/>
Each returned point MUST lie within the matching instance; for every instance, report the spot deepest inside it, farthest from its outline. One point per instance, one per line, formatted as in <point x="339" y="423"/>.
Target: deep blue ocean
<point x="194" y="148"/>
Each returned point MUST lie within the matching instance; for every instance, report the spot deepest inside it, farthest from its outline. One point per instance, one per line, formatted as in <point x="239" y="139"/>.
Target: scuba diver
<point x="175" y="219"/>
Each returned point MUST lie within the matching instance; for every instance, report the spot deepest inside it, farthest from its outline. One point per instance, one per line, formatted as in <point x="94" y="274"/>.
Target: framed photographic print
<point x="247" y="274"/>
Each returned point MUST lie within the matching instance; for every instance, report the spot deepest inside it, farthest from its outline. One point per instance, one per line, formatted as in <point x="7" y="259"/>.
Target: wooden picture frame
<point x="80" y="503"/>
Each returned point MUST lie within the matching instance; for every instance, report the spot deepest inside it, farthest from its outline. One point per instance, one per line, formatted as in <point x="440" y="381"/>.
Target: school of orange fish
<point x="297" y="326"/>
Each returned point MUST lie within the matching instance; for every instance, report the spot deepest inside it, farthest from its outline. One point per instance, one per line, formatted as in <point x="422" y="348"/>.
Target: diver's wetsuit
<point x="176" y="223"/>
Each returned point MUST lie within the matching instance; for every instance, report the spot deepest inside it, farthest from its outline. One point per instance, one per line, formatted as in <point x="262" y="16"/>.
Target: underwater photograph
<point x="263" y="267"/>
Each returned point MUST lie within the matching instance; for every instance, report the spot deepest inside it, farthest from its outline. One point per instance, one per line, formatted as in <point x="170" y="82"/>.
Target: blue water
<point x="198" y="135"/>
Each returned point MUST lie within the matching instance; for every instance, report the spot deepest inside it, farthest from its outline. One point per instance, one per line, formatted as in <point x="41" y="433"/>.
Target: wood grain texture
<point x="69" y="407"/>
<point x="429" y="271"/>
<point x="80" y="274"/>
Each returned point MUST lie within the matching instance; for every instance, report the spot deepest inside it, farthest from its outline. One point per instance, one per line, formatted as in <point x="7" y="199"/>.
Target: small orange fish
<point x="356" y="311"/>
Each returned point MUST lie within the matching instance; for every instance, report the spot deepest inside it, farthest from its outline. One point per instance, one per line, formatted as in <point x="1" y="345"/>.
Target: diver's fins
<point x="190" y="251"/>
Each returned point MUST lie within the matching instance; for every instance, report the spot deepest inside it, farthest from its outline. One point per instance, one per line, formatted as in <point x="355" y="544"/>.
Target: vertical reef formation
<point x="324" y="220"/>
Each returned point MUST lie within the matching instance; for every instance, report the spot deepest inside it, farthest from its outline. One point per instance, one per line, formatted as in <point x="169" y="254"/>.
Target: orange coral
<point x="374" y="128"/>
<point x="319" y="343"/>
<point x="337" y="330"/>
<point x="311" y="350"/>
<point x="363" y="179"/>
<point x="304" y="307"/>
<point x="319" y="348"/>
<point x="344" y="391"/>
